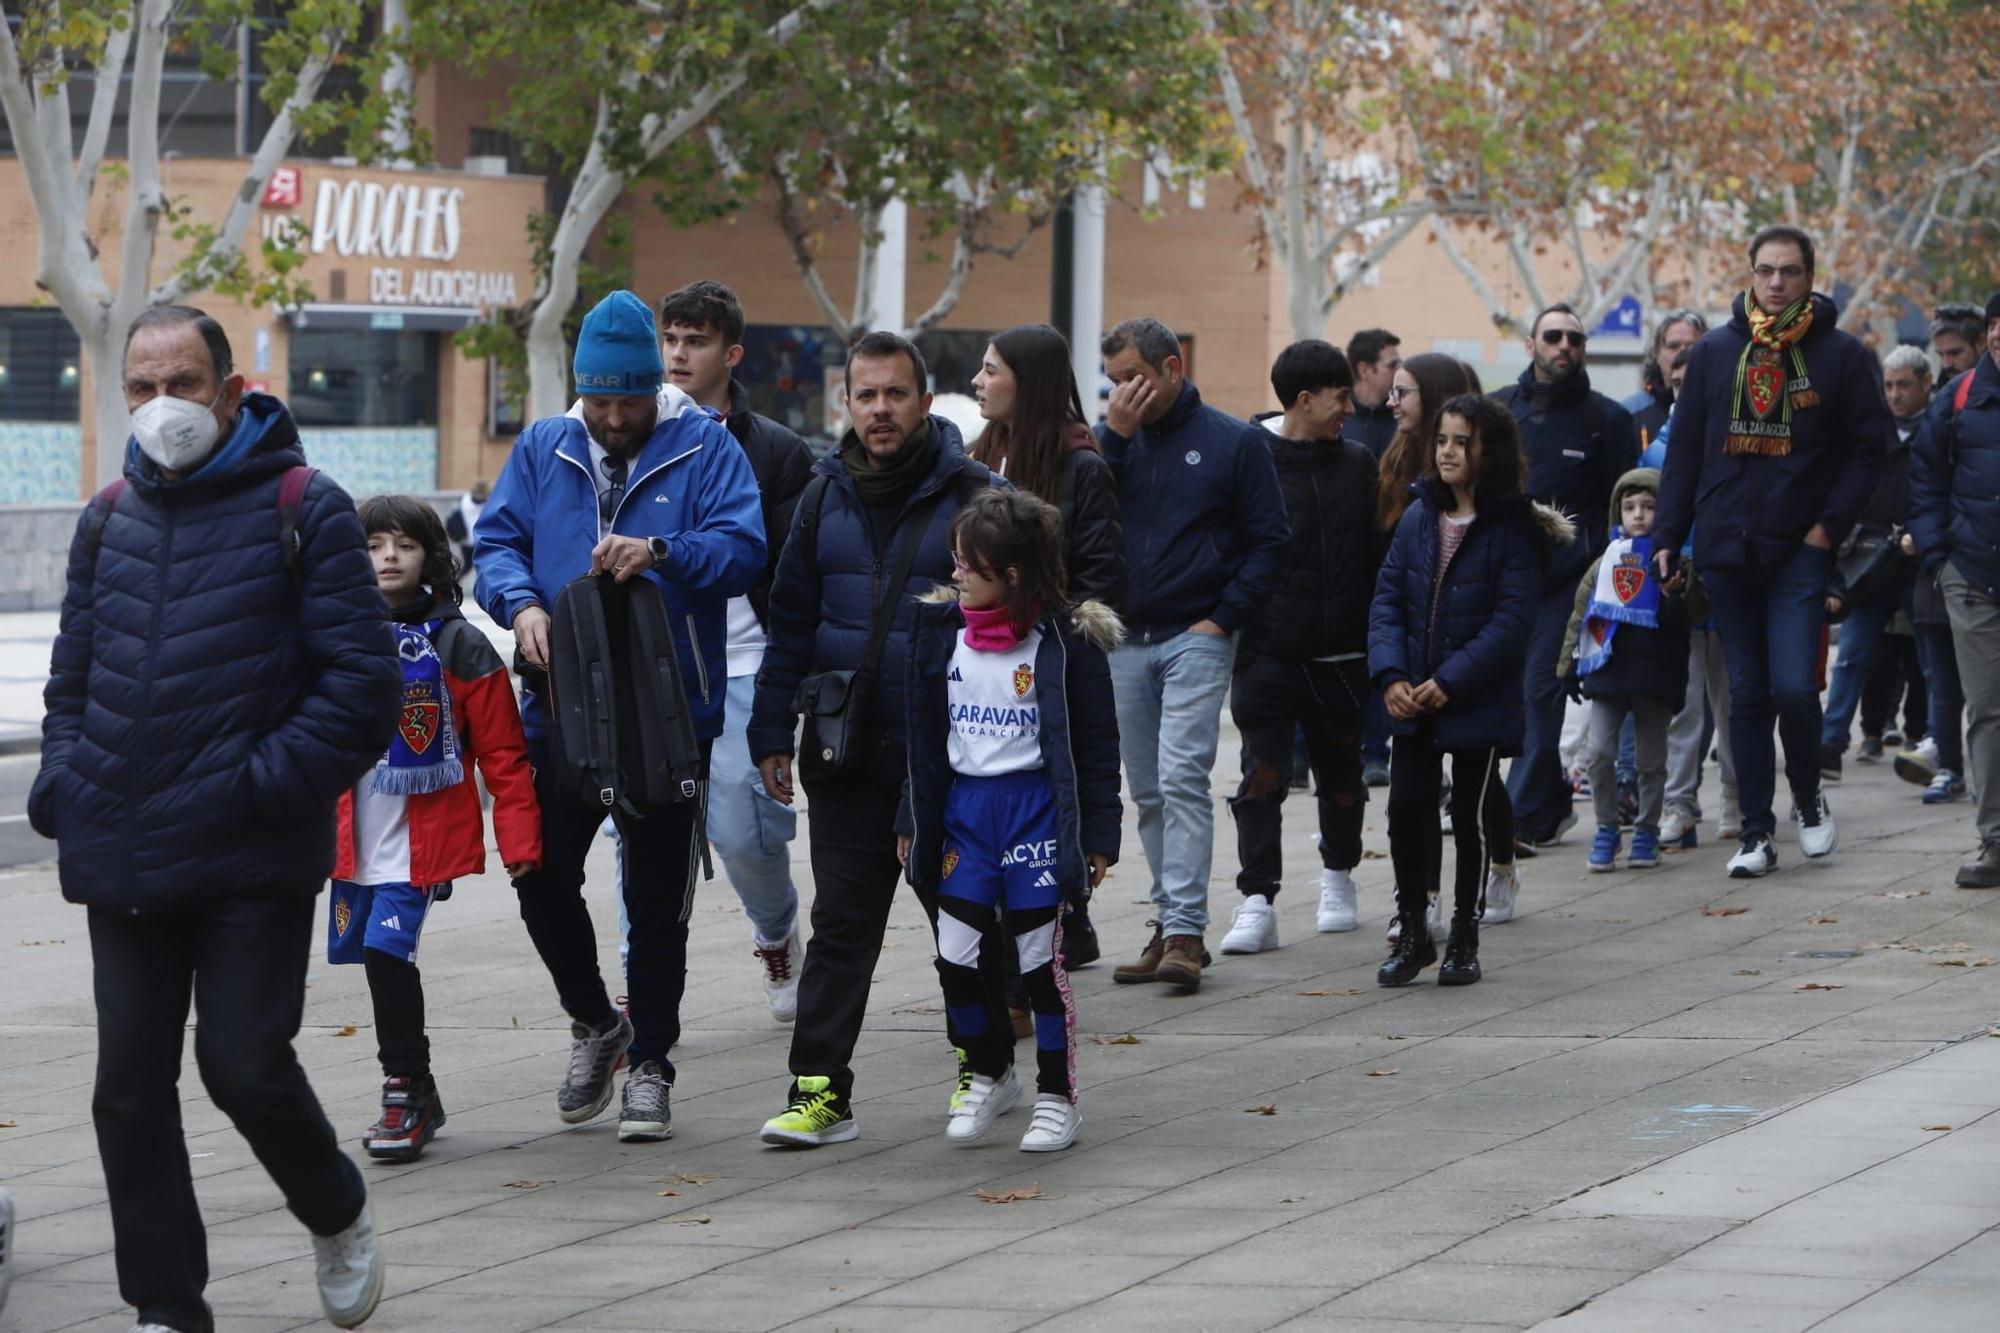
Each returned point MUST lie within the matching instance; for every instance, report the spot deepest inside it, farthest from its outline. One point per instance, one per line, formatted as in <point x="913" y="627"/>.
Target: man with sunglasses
<point x="1779" y="437"/>
<point x="1578" y="443"/>
<point x="637" y="484"/>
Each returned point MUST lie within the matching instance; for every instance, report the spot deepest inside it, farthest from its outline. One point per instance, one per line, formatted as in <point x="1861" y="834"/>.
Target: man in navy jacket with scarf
<point x="1780" y="431"/>
<point x="1205" y="538"/>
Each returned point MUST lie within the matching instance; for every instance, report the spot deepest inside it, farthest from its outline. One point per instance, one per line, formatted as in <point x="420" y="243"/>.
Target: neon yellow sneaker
<point x="817" y="1115"/>
<point x="964" y="1082"/>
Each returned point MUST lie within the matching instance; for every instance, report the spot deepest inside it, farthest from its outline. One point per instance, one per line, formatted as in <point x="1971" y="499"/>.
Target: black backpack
<point x="624" y="737"/>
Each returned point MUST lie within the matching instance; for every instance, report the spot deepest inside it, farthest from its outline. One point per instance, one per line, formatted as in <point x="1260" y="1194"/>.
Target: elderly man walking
<point x="225" y="671"/>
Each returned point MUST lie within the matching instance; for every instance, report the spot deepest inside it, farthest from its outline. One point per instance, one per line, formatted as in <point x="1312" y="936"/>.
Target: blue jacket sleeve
<point x="1263" y="532"/>
<point x="1930" y="486"/>
<point x="504" y="537"/>
<point x="1686" y="443"/>
<point x="793" y="636"/>
<point x="1503" y="639"/>
<point x="1093" y="720"/>
<point x="345" y="718"/>
<point x="1864" y="447"/>
<point x="69" y="672"/>
<point x="1388" y="651"/>
<point x="722" y="549"/>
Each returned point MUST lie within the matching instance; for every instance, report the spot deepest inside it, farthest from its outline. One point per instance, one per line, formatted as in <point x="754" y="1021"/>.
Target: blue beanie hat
<point x="618" y="351"/>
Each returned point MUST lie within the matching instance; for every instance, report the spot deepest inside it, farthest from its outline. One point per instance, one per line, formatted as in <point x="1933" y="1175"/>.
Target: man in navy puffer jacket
<point x="1778" y="438"/>
<point x="210" y="697"/>
<point x="1205" y="538"/>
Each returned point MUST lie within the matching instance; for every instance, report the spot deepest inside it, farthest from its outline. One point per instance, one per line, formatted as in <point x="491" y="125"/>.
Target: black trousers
<point x="1894" y="669"/>
<point x="396" y="989"/>
<point x="662" y="859"/>
<point x="1480" y="810"/>
<point x="243" y="963"/>
<point x="1270" y="700"/>
<point x="851" y="821"/>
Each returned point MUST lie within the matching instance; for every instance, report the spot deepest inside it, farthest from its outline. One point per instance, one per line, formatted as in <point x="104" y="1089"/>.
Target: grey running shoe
<point x="593" y="1058"/>
<point x="647" y="1116"/>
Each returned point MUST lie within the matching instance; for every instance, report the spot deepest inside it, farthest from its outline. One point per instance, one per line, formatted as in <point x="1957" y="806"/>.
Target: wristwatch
<point x="658" y="546"/>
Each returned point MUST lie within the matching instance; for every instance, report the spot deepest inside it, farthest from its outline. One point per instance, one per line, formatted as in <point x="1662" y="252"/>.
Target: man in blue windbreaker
<point x="638" y="488"/>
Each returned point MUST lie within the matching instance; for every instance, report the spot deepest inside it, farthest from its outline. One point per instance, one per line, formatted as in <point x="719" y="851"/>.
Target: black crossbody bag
<point x="835" y="703"/>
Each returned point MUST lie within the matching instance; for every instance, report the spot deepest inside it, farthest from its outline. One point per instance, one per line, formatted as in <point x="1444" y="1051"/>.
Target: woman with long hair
<point x="1417" y="397"/>
<point x="1038" y="438"/>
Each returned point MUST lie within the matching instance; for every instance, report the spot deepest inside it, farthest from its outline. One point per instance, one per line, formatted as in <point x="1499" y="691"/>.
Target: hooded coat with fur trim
<point x="1475" y="643"/>
<point x="1079" y="735"/>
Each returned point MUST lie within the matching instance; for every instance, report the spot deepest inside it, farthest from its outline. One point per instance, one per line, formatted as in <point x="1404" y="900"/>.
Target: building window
<point x="363" y="377"/>
<point x="40" y="366"/>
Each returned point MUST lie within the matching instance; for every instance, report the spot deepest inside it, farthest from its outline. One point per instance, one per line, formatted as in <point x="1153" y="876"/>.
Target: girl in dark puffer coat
<point x="1449" y="629"/>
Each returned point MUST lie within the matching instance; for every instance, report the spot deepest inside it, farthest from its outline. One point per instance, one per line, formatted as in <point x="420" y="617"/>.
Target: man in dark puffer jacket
<point x="210" y="697"/>
<point x="1305" y="662"/>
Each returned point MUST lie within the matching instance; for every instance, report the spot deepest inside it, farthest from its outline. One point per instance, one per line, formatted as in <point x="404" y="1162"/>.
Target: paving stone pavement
<point x="1646" y="1116"/>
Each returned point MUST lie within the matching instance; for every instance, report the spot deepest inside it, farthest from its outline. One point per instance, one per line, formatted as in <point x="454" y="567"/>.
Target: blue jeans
<point x="1536" y="782"/>
<point x="1859" y="634"/>
<point x="1169" y="696"/>
<point x="1771" y="619"/>
<point x="1938" y="655"/>
<point x="751" y="832"/>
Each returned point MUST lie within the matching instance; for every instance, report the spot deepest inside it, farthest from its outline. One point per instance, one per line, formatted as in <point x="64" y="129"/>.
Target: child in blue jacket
<point x="1448" y="631"/>
<point x="1012" y="797"/>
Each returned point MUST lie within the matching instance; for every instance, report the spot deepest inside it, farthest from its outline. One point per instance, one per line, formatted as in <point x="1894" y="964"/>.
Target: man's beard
<point x="1556" y="371"/>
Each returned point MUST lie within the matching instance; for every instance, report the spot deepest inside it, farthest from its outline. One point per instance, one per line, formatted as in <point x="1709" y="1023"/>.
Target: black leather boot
<point x="1411" y="954"/>
<point x="1461" y="955"/>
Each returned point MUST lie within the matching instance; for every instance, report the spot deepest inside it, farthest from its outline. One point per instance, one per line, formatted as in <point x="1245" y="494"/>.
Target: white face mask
<point x="174" y="432"/>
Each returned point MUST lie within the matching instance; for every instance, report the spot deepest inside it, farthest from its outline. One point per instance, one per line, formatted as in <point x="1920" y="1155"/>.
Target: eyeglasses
<point x="1397" y="393"/>
<point x="1556" y="337"/>
<point x="1790" y="272"/>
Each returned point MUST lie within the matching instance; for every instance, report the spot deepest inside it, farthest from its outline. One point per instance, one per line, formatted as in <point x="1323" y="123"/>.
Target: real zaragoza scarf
<point x="1762" y="388"/>
<point x="423" y="755"/>
<point x="1626" y="593"/>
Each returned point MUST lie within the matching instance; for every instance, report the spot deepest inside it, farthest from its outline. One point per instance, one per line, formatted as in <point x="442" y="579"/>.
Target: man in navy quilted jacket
<point x="224" y="671"/>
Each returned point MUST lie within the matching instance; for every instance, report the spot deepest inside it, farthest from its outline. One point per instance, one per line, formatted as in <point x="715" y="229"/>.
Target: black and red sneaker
<point x="412" y="1114"/>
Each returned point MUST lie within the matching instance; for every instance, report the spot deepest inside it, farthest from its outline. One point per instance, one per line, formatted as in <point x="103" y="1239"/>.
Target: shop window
<point x="363" y="377"/>
<point x="40" y="366"/>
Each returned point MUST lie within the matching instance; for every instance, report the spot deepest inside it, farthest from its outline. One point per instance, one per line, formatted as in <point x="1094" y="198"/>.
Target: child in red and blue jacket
<point x="413" y="825"/>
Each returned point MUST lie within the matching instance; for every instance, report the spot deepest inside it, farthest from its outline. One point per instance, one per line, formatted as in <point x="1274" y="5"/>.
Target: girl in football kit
<point x="1012" y="797"/>
<point x="413" y="825"/>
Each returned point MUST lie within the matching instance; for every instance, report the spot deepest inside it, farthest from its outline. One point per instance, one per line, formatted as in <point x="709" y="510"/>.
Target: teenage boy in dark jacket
<point x="1955" y="521"/>
<point x="1305" y="662"/>
<point x="1778" y="438"/>
<point x="1205" y="536"/>
<point x="701" y="337"/>
<point x="898" y="477"/>
<point x="1578" y="443"/>
<point x="224" y="672"/>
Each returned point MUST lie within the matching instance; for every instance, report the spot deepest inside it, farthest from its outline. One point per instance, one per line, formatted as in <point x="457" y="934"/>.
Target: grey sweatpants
<point x="1708" y="689"/>
<point x="1975" y="633"/>
<point x="1649" y="735"/>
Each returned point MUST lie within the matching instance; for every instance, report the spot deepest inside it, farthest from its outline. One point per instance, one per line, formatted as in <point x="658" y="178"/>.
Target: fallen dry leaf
<point x="1982" y="962"/>
<point x="1951" y="962"/>
<point x="670" y="1194"/>
<point x="1267" y="1108"/>
<point x="1126" y="1040"/>
<point x="347" y="1031"/>
<point x="1726" y="909"/>
<point x="1821" y="920"/>
<point x="526" y="1184"/>
<point x="1370" y="854"/>
<point x="1383" y="1073"/>
<point x="9" y="1124"/>
<point x="1344" y="990"/>
<point x="689" y="1220"/>
<point x="1750" y="972"/>
<point x="1906" y="893"/>
<point x="691" y="1178"/>
<point x="1389" y="1038"/>
<point x="1936" y="1129"/>
<point x="1012" y="1194"/>
<point x="1820" y="985"/>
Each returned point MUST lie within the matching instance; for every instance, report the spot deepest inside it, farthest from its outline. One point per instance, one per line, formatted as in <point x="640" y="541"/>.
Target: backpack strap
<point x="291" y="495"/>
<point x="99" y="514"/>
<point x="812" y="502"/>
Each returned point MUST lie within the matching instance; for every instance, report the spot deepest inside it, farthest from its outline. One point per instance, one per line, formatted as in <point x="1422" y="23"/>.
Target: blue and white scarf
<point x="423" y="755"/>
<point x="1626" y="593"/>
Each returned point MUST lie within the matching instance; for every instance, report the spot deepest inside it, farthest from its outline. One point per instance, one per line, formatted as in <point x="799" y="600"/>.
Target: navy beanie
<point x="618" y="351"/>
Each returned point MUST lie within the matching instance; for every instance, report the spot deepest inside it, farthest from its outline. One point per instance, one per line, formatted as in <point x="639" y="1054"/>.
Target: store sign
<point x="440" y="286"/>
<point x="284" y="189"/>
<point x="366" y="219"/>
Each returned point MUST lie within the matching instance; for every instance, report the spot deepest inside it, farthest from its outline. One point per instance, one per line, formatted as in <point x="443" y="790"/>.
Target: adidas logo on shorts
<point x="392" y="923"/>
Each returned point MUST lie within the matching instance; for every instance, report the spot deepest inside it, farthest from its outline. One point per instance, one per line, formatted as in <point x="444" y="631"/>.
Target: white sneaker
<point x="1502" y="888"/>
<point x="1255" y="928"/>
<point x="1817" y="835"/>
<point x="349" y="1267"/>
<point x="1757" y="858"/>
<point x="1055" y="1125"/>
<point x="1336" y="903"/>
<point x="1919" y="764"/>
<point x="781" y="964"/>
<point x="1675" y="825"/>
<point x="975" y="1107"/>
